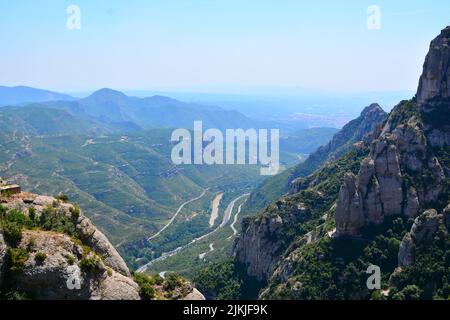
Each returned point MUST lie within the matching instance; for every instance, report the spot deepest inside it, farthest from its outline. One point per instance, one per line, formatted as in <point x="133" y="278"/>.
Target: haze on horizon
<point x="217" y="45"/>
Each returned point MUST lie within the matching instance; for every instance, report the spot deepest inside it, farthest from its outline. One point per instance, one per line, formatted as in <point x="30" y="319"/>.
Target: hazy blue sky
<point x="212" y="45"/>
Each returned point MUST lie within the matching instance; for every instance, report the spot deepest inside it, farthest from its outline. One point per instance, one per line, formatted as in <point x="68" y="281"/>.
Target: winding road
<point x="232" y="226"/>
<point x="176" y="214"/>
<point x="225" y="220"/>
<point x="229" y="210"/>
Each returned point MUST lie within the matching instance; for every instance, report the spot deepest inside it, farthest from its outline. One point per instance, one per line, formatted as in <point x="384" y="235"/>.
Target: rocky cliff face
<point x="435" y="79"/>
<point x="403" y="174"/>
<point x="262" y="242"/>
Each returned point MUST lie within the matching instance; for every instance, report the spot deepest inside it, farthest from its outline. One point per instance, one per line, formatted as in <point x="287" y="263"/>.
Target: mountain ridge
<point x="23" y="95"/>
<point x="291" y="180"/>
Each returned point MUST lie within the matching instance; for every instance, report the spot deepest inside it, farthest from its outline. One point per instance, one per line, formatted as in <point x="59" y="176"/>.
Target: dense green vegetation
<point x="428" y="278"/>
<point x="336" y="268"/>
<point x="154" y="287"/>
<point x="226" y="281"/>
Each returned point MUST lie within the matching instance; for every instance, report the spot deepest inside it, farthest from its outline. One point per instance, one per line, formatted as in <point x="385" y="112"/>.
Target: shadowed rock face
<point x="435" y="79"/>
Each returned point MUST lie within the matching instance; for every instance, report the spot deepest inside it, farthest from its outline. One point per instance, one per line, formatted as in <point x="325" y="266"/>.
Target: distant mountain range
<point x="113" y="110"/>
<point x="23" y="95"/>
<point x="110" y="106"/>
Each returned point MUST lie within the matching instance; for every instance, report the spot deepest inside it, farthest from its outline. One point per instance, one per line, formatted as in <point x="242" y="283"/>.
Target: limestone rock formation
<point x="52" y="271"/>
<point x="402" y="174"/>
<point x="406" y="253"/>
<point x="256" y="248"/>
<point x="86" y="231"/>
<point x="426" y="226"/>
<point x="66" y="256"/>
<point x="263" y="240"/>
<point x="349" y="215"/>
<point x="51" y="266"/>
<point x="435" y="80"/>
<point x="423" y="231"/>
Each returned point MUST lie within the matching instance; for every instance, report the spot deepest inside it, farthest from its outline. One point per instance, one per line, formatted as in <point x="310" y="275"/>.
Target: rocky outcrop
<point x="263" y="240"/>
<point x="435" y="79"/>
<point x="349" y="214"/>
<point x="63" y="256"/>
<point x="402" y="174"/>
<point x="95" y="239"/>
<point x="54" y="270"/>
<point x="422" y="232"/>
<point x="387" y="183"/>
<point x="54" y="265"/>
<point x="406" y="253"/>
<point x="256" y="248"/>
<point x="86" y="231"/>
